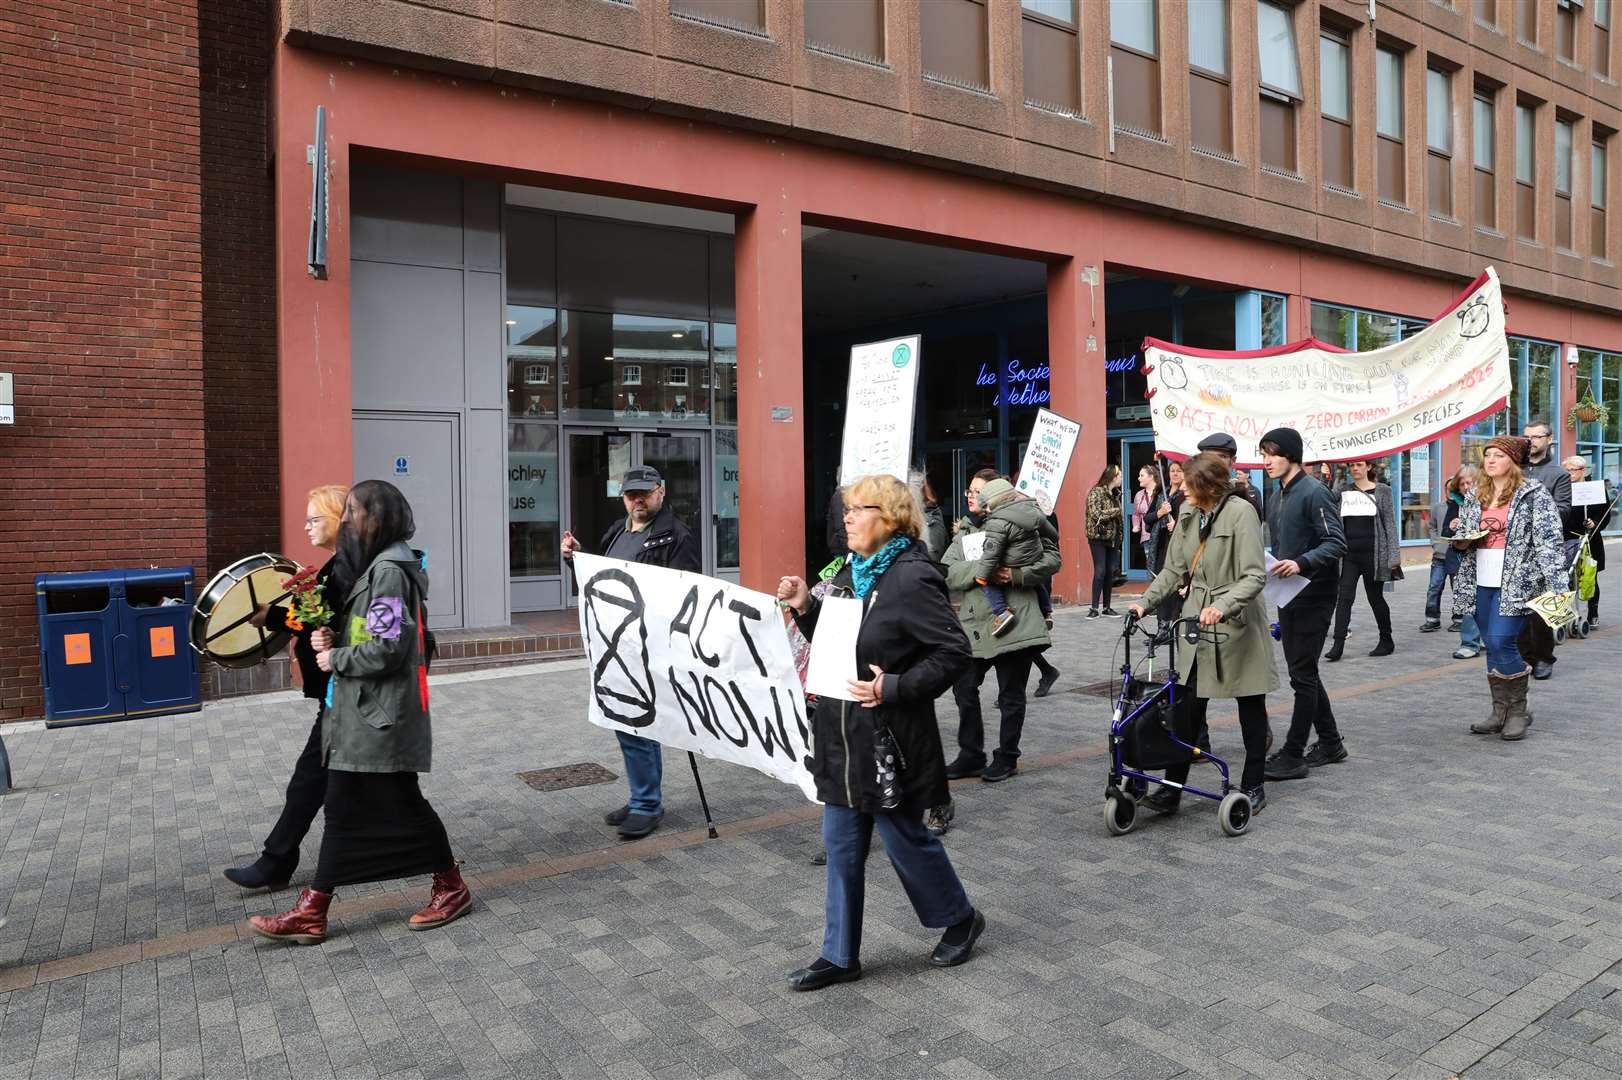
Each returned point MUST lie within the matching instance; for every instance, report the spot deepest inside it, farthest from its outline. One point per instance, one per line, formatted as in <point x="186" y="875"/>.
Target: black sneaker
<point x="1286" y="766"/>
<point x="939" y="818"/>
<point x="1455" y="626"/>
<point x="1045" y="683"/>
<point x="1111" y="613"/>
<point x="617" y="817"/>
<point x="964" y="765"/>
<point x="636" y="826"/>
<point x="1318" y="756"/>
<point x="999" y="770"/>
<point x="1431" y="626"/>
<point x="1165" y="800"/>
<point x="1258" y="800"/>
<point x="1092" y="613"/>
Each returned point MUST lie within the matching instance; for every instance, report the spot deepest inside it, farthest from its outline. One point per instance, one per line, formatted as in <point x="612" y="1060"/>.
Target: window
<point x="1052" y="56"/>
<point x="1134" y="53"/>
<point x="1535" y="392"/>
<point x="1483" y="139"/>
<point x="1210" y="94"/>
<point x="1439" y="142"/>
<point x="1526" y="20"/>
<point x="1390" y="166"/>
<point x="1601" y="373"/>
<point x="1526" y="199"/>
<point x="747" y="15"/>
<point x="631" y="375"/>
<point x="1487" y="13"/>
<point x="853" y="28"/>
<point x="1563" y="151"/>
<point x="1596" y="196"/>
<point x="1280" y="84"/>
<point x="603" y="354"/>
<point x="676" y="376"/>
<point x="1335" y="98"/>
<point x="1602" y="38"/>
<point x="1565" y="29"/>
<point x="954" y="43"/>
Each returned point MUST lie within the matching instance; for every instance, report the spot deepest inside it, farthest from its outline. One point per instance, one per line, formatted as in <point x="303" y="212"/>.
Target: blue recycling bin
<point x="114" y="644"/>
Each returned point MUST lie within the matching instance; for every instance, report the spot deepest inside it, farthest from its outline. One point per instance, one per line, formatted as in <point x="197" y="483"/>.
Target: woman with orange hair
<point x="308" y="786"/>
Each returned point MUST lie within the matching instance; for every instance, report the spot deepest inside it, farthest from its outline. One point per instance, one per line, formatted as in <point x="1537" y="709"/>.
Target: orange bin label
<point x="163" y="640"/>
<point x="76" y="648"/>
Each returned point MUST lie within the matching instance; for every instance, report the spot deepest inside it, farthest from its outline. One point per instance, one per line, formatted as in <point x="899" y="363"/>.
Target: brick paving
<point x="1440" y="905"/>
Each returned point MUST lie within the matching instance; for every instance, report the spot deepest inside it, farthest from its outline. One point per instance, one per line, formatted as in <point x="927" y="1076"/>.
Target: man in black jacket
<point x="1536" y="640"/>
<point x="1304" y="524"/>
<point x="653" y="535"/>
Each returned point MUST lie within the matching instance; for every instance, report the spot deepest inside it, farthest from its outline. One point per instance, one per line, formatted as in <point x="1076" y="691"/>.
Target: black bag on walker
<point x="1148" y="746"/>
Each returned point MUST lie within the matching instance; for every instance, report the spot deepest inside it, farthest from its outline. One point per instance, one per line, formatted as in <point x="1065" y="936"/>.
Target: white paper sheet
<point x="974" y="547"/>
<point x="1588" y="493"/>
<point x="833" y="648"/>
<point x="1281" y="590"/>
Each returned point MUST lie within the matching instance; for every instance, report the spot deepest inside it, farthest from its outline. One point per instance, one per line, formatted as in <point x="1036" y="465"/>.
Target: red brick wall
<point x="239" y="282"/>
<point x="101" y="303"/>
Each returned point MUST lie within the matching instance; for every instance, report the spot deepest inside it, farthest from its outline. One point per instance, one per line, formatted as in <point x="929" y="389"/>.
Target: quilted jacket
<point x="1534" y="555"/>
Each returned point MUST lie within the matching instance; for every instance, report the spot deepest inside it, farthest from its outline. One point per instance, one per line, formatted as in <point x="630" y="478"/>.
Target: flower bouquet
<point x="310" y="607"/>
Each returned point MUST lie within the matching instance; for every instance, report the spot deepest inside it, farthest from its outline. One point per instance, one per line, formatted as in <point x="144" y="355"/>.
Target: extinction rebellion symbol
<point x="901" y="355"/>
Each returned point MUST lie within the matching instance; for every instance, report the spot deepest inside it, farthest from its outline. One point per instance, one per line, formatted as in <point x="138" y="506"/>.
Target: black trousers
<point x="379" y="827"/>
<point x="1359" y="566"/>
<point x="306" y="790"/>
<point x="1536" y="641"/>
<point x="1106" y="561"/>
<point x="1252" y="727"/>
<point x="1302" y="627"/>
<point x="1013" y="672"/>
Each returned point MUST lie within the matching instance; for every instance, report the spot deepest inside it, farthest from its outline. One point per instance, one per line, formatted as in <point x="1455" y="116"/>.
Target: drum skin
<point x="229" y="598"/>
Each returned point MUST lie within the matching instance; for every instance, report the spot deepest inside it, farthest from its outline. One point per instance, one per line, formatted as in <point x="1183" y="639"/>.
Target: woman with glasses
<point x="909" y="650"/>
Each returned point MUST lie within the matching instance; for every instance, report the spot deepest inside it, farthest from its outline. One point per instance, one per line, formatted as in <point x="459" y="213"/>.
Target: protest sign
<point x="1047" y="457"/>
<point x="1588" y="493"/>
<point x="694" y="663"/>
<point x="833" y="649"/>
<point x="878" y="409"/>
<point x="1347" y="406"/>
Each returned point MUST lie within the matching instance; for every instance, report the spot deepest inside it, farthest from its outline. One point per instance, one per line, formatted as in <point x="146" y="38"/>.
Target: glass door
<point x="680" y="460"/>
<point x="1136" y="451"/>
<point x="950" y="468"/>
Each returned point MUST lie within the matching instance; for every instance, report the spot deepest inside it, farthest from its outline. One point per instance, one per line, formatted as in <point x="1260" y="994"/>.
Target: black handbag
<point x="1148" y="745"/>
<point x="888" y="765"/>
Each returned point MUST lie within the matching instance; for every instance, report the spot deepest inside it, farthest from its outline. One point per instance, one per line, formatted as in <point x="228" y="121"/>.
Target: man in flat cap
<point x="1220" y="442"/>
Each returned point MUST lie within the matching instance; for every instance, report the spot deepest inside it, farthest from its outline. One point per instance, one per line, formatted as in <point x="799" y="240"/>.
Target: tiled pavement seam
<point x="22" y="976"/>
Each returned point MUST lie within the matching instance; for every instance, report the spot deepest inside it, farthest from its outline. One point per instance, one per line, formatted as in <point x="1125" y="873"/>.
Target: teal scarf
<point x="865" y="569"/>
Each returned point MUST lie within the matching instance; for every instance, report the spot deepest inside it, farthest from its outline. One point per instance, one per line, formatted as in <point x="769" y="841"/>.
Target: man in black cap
<point x="1304" y="524"/>
<point x="1220" y="442"/>
<point x="653" y="535"/>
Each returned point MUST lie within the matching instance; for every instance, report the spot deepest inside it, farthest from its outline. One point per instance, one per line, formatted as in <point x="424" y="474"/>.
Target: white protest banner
<point x="694" y="663"/>
<point x="878" y="409"/>
<point x="1047" y="458"/>
<point x="1347" y="406"/>
<point x="1588" y="493"/>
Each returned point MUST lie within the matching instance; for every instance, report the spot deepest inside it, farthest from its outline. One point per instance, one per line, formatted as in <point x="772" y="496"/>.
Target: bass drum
<point x="220" y="629"/>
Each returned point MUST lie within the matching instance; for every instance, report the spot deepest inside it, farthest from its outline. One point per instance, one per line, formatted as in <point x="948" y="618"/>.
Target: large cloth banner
<point x="878" y="409"/>
<point x="1347" y="406"/>
<point x="694" y="663"/>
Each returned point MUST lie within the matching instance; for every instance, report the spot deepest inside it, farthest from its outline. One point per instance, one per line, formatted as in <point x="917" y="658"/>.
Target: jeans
<point x="1106" y="560"/>
<point x="920" y="862"/>
<point x="1499" y="633"/>
<point x="1443" y="571"/>
<point x="1252" y="727"/>
<point x="306" y="791"/>
<point x="996" y="596"/>
<point x="1013" y="672"/>
<point x="1301" y="630"/>
<point x="1470" y="633"/>
<point x="1360" y="564"/>
<point x="644" y="773"/>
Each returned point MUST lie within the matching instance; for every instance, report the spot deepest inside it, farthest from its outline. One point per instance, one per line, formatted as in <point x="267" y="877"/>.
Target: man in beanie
<point x="1225" y="445"/>
<point x="1304" y="523"/>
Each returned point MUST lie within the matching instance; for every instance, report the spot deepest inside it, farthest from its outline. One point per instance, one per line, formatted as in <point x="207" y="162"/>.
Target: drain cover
<point x="1106" y="689"/>
<point x="580" y="774"/>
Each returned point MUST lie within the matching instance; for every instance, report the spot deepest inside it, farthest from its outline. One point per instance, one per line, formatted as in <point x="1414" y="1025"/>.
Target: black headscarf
<point x="388" y="520"/>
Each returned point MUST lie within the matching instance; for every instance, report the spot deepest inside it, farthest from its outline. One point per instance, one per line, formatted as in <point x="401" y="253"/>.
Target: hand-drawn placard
<point x="1047" y="457"/>
<point x="1347" y="406"/>
<point x="878" y="409"/>
<point x="694" y="663"/>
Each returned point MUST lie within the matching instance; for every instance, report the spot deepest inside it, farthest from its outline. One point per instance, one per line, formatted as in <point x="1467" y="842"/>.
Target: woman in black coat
<point x="909" y="651"/>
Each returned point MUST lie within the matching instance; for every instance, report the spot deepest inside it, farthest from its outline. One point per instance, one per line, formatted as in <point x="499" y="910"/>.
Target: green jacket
<point x="974" y="610"/>
<point x="1231" y="575"/>
<point x="1015" y="532"/>
<point x="377" y="702"/>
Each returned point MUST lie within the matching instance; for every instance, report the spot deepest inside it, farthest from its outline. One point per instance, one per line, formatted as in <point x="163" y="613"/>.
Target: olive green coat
<point x="974" y="610"/>
<point x="1230" y="576"/>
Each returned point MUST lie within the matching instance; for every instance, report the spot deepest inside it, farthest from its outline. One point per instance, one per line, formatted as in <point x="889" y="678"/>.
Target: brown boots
<point x="451" y="900"/>
<point x="1510" y="717"/>
<point x="306" y="924"/>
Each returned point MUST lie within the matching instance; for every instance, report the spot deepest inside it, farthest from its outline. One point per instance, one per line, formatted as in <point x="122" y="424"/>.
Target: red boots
<point x="451" y="900"/>
<point x="306" y="924"/>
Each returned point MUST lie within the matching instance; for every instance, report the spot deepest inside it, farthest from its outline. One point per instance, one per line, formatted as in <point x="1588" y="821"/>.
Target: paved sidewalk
<point x="1441" y="904"/>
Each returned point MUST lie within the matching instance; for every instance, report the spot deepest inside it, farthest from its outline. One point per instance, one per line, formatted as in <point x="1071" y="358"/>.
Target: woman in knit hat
<point x="1509" y="531"/>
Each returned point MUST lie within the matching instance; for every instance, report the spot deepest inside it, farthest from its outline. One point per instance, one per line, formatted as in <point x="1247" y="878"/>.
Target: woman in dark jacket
<point x="308" y="785"/>
<point x="1368" y="514"/>
<point x="909" y="651"/>
<point x="1588" y="521"/>
<point x="376" y="737"/>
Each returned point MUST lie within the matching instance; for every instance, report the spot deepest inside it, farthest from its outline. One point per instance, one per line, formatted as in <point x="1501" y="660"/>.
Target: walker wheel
<point x="1120" y="814"/>
<point x="1579" y="629"/>
<point x="1234" y="813"/>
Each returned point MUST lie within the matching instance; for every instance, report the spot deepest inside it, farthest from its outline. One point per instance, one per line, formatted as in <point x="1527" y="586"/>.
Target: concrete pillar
<point x="771" y="388"/>
<point x="1076" y="380"/>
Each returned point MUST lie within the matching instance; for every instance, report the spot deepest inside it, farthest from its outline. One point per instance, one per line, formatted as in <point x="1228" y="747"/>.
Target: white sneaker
<point x="1465" y="652"/>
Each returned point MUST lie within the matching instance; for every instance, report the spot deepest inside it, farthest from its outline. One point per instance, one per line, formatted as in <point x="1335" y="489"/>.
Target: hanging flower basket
<point x="1588" y="411"/>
